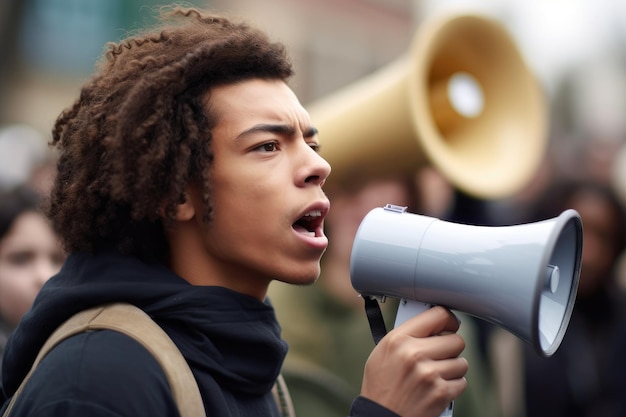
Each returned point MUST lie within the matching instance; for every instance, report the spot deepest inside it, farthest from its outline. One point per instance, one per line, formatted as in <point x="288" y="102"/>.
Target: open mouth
<point x="310" y="223"/>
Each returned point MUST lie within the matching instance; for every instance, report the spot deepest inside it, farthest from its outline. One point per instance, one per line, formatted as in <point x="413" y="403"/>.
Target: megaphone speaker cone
<point x="462" y="99"/>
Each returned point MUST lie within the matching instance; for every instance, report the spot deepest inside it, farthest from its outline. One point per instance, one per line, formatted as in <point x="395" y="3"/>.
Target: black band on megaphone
<point x="375" y="318"/>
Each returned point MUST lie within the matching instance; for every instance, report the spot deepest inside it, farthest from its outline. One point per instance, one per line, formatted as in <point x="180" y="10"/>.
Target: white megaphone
<point x="523" y="278"/>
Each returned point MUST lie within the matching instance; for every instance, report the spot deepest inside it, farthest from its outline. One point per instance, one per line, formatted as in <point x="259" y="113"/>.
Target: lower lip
<point x="317" y="242"/>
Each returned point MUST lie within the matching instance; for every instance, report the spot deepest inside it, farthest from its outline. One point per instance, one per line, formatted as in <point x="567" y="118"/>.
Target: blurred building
<point x="332" y="42"/>
<point x="51" y="46"/>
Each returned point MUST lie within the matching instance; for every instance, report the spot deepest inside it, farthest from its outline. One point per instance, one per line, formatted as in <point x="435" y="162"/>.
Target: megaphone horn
<point x="523" y="278"/>
<point x="462" y="99"/>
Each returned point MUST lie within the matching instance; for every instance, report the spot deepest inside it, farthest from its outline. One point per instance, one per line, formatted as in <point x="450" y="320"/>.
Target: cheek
<point x="15" y="281"/>
<point x="248" y="203"/>
<point x="16" y="292"/>
<point x="10" y="277"/>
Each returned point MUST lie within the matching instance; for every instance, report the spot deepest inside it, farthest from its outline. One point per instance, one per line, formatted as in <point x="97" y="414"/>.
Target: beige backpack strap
<point x="132" y="321"/>
<point x="283" y="399"/>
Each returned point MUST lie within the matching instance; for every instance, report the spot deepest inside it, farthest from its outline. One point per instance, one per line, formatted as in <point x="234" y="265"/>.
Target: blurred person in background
<point x="325" y="324"/>
<point x="582" y="379"/>
<point x="30" y="253"/>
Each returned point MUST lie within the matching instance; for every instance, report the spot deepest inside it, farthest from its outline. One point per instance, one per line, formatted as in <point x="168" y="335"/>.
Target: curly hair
<point x="139" y="131"/>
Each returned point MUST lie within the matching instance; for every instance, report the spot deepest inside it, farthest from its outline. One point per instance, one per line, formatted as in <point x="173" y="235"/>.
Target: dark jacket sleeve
<point x="363" y="407"/>
<point x="97" y="374"/>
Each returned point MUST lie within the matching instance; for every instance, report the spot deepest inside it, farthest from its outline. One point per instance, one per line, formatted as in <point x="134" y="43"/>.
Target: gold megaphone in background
<point x="462" y="99"/>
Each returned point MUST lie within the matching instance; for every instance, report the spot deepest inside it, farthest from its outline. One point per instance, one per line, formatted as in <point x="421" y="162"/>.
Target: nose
<point x="315" y="169"/>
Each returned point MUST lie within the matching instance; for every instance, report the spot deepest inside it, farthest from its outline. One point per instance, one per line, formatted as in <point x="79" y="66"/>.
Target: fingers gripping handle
<point x="406" y="310"/>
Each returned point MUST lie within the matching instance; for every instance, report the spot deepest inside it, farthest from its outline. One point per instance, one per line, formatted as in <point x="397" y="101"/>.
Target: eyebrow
<point x="280" y="129"/>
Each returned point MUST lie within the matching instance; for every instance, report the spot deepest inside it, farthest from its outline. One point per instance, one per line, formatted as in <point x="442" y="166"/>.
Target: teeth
<point x="314" y="213"/>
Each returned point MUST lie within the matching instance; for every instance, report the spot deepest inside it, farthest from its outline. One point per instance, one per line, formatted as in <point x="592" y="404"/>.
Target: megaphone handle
<point x="411" y="308"/>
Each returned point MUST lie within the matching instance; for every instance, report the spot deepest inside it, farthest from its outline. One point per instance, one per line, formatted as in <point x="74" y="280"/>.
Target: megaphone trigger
<point x="409" y="308"/>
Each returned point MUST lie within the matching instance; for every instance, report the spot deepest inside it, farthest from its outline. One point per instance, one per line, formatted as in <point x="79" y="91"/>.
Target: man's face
<point x="267" y="177"/>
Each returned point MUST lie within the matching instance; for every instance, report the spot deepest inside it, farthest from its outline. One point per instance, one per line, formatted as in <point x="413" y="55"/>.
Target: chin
<point x="300" y="280"/>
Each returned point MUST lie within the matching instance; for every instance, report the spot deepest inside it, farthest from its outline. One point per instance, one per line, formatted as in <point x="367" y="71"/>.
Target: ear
<point x="185" y="211"/>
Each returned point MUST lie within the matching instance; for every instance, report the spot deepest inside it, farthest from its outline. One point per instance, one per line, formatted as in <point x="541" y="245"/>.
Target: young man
<point x="189" y="180"/>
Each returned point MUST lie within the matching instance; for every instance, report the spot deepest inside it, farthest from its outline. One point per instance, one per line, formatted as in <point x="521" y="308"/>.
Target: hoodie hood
<point x="222" y="333"/>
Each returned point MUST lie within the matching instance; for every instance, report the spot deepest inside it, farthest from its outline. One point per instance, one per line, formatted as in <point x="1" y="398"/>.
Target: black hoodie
<point x="231" y="341"/>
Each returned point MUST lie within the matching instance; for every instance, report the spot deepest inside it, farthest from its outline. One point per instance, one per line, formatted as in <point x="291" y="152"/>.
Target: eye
<point x="267" y="147"/>
<point x="315" y="146"/>
<point x="21" y="258"/>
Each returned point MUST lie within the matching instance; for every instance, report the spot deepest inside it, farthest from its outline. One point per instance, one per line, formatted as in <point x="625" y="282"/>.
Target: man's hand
<point x="416" y="370"/>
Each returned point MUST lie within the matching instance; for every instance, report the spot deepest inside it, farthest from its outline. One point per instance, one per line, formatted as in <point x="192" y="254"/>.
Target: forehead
<point x="27" y="226"/>
<point x="256" y="100"/>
